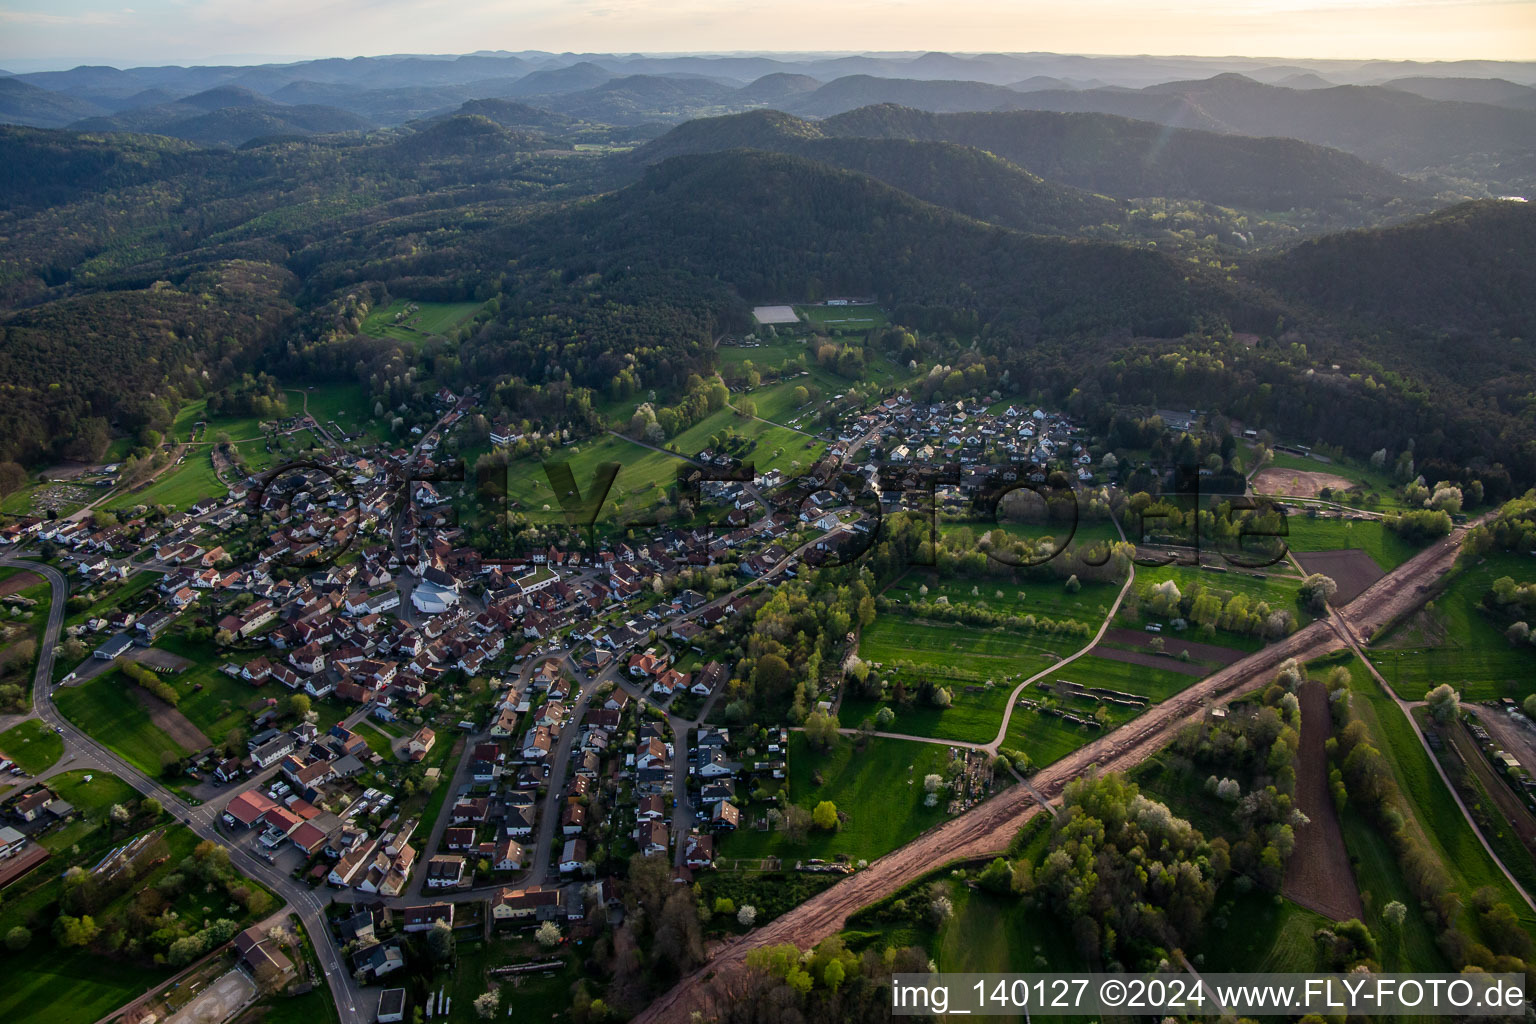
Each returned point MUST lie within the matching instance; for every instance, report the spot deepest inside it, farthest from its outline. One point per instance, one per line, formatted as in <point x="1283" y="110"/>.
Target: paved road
<point x="81" y="751"/>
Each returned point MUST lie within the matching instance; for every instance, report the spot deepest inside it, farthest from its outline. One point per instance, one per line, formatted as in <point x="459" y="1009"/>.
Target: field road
<point x="988" y="829"/>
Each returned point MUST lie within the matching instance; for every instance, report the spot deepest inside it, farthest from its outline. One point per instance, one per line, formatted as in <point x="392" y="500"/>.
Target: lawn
<point x="1462" y="645"/>
<point x="1372" y="480"/>
<point x="32" y="745"/>
<point x="109" y="602"/>
<point x="105" y="709"/>
<point x="1387" y="549"/>
<point x="772" y="355"/>
<point x="427" y="319"/>
<point x="644" y="477"/>
<point x="880" y="788"/>
<point x="179" y="486"/>
<point x="90" y="791"/>
<point x="535" y="997"/>
<point x="377" y="741"/>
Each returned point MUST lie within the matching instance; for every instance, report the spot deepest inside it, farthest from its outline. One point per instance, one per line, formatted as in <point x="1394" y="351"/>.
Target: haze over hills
<point x="1468" y="124"/>
<point x="632" y="215"/>
<point x="1403" y="131"/>
<point x="1095" y="152"/>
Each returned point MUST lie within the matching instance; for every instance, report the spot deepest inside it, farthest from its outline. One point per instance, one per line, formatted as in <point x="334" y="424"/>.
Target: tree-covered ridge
<point x="1126" y="158"/>
<point x="71" y="367"/>
<point x="1462" y="271"/>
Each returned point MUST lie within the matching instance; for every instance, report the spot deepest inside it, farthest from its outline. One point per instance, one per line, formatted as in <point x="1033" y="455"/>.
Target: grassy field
<point x="777" y="402"/>
<point x="972" y="718"/>
<point x="1380" y="879"/>
<point x="1046" y="738"/>
<point x="1447" y="831"/>
<point x="1042" y="597"/>
<point x="1461" y="645"/>
<point x="106" y="709"/>
<point x="1386" y="548"/>
<point x="345" y="405"/>
<point x="772" y="355"/>
<point x="428" y="319"/>
<point x="644" y="476"/>
<point x="989" y="933"/>
<point x="237" y="427"/>
<point x="211" y="700"/>
<point x="776" y="447"/>
<point x="1263" y="932"/>
<point x="32" y="745"/>
<point x="879" y="787"/>
<point x="996" y="653"/>
<point x="178" y="487"/>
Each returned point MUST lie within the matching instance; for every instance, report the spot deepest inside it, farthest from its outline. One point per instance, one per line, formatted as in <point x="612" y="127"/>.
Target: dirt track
<point x="989" y="828"/>
<point x="1211" y="653"/>
<point x="1316" y="874"/>
<point x="1147" y="659"/>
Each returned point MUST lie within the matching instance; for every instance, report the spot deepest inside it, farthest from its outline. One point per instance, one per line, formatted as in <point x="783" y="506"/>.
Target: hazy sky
<point x="62" y="33"/>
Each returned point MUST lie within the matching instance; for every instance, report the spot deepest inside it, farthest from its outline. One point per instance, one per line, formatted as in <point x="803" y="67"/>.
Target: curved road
<point x="85" y="752"/>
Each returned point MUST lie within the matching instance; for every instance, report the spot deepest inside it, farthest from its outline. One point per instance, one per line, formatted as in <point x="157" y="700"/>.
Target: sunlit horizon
<point x="43" y="34"/>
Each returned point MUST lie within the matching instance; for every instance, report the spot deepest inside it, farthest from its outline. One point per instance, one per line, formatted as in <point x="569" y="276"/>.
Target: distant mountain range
<point x="1463" y="126"/>
<point x="1094" y="152"/>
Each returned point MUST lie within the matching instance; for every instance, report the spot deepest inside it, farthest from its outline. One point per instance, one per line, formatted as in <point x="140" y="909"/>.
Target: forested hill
<point x="1123" y="157"/>
<point x="968" y="180"/>
<point x="1094" y="152"/>
<point x="777" y="226"/>
<point x="640" y="280"/>
<point x="69" y="367"/>
<point x="1464" y="271"/>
